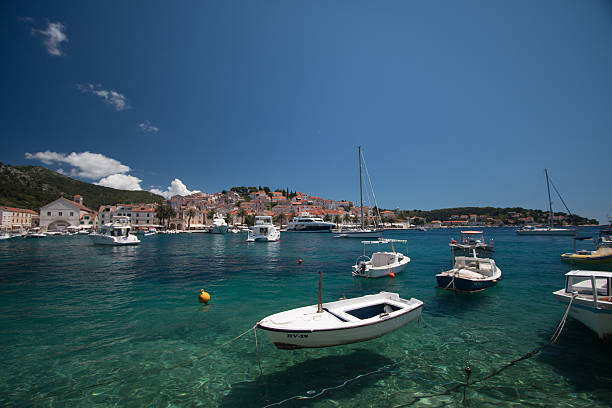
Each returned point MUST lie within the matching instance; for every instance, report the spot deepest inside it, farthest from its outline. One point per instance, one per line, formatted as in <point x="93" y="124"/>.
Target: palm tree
<point x="190" y="213"/>
<point x="242" y="214"/>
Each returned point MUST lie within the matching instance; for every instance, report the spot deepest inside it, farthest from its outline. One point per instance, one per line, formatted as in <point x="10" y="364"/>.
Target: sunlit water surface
<point x="86" y="325"/>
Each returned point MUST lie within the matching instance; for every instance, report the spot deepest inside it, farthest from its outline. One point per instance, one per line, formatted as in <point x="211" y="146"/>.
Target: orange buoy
<point x="453" y="242"/>
<point x="204" y="297"/>
<point x="299" y="261"/>
<point x="391" y="274"/>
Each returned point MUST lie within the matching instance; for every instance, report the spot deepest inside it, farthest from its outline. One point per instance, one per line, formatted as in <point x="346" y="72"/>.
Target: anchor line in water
<point x="526" y="356"/>
<point x="160" y="369"/>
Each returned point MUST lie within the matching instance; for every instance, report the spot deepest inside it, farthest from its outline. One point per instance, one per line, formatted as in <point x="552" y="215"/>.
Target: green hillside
<point x="33" y="186"/>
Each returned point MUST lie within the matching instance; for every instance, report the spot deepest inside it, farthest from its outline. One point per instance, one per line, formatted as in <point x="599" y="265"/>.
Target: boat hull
<point x="462" y="284"/>
<point x="310" y="228"/>
<point x="296" y="339"/>
<point x="219" y="229"/>
<point x="553" y="232"/>
<point x="114" y="241"/>
<point x="360" y="234"/>
<point x="598" y="319"/>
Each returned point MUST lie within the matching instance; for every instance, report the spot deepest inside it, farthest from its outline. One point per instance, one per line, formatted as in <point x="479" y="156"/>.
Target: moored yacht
<point x="219" y="226"/>
<point x="306" y="223"/>
<point x="116" y="232"/>
<point x="470" y="274"/>
<point x="263" y="230"/>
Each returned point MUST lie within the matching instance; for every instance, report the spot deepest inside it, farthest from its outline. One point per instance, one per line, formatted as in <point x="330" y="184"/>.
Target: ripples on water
<point x="75" y="315"/>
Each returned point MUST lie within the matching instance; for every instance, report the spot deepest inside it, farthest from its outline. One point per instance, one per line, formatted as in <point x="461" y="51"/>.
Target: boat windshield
<point x="584" y="285"/>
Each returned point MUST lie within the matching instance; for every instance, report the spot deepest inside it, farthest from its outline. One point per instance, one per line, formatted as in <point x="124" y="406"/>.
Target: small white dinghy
<point x="381" y="263"/>
<point x="342" y="322"/>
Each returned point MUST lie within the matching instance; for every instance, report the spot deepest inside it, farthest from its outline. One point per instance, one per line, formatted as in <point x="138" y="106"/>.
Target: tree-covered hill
<point x="32" y="187"/>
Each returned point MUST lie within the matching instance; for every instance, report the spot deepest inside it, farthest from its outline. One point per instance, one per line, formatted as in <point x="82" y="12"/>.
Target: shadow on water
<point x="453" y="303"/>
<point x="308" y="379"/>
<point x="583" y="360"/>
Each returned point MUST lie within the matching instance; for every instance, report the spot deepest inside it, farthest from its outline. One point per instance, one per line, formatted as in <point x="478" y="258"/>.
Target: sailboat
<point x="550" y="230"/>
<point x="361" y="232"/>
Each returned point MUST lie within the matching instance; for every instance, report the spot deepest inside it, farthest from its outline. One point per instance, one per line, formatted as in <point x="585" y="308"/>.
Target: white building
<point x="62" y="213"/>
<point x="141" y="215"/>
<point x="16" y="219"/>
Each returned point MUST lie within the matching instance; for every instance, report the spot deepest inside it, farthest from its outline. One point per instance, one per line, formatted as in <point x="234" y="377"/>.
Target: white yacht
<point x="263" y="230"/>
<point x="219" y="226"/>
<point x="550" y="229"/>
<point x="362" y="231"/>
<point x="591" y="304"/>
<point x="116" y="232"/>
<point x="306" y="223"/>
<point x="35" y="233"/>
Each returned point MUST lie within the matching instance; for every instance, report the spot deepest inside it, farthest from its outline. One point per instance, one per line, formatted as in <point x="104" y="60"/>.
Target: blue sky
<point x="454" y="103"/>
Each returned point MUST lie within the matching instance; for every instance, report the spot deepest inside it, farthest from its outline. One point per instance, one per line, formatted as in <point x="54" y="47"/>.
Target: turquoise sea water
<point x="85" y="325"/>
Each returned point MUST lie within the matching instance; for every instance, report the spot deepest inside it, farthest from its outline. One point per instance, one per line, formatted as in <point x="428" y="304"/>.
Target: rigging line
<point x="557" y="191"/>
<point x="371" y="187"/>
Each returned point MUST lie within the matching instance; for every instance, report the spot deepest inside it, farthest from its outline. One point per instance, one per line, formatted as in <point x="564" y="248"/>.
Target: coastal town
<point x="239" y="206"/>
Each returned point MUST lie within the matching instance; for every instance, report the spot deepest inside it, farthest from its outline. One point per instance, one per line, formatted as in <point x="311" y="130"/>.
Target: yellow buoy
<point x="204" y="297"/>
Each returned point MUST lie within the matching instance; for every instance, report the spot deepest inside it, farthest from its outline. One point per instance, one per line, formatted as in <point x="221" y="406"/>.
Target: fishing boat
<point x="263" y="230"/>
<point x="601" y="255"/>
<point x="116" y="233"/>
<point x="219" y="226"/>
<point x="381" y="264"/>
<point x="591" y="303"/>
<point x="549" y="230"/>
<point x="470" y="240"/>
<point x="362" y="231"/>
<point x="469" y="274"/>
<point x="344" y="321"/>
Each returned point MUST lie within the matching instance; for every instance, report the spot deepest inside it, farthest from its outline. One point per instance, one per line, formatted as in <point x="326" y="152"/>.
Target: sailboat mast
<point x="360" y="189"/>
<point x="549" y="202"/>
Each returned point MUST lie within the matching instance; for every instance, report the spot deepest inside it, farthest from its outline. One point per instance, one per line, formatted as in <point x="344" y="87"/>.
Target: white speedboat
<point x="263" y="230"/>
<point x="381" y="264"/>
<point x="341" y="322"/>
<point x="592" y="303"/>
<point x="306" y="223"/>
<point x="470" y="274"/>
<point x="219" y="226"/>
<point x="116" y="232"/>
<point x="35" y="233"/>
<point x="5" y="235"/>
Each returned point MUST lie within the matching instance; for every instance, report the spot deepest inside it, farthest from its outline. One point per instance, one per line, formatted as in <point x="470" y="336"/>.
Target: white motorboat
<point x="341" y="322"/>
<point x="592" y="302"/>
<point x="219" y="226"/>
<point x="549" y="230"/>
<point x="306" y="223"/>
<point x="116" y="232"/>
<point x="35" y="233"/>
<point x="263" y="230"/>
<point x="381" y="264"/>
<point x="470" y="274"/>
<point x="470" y="240"/>
<point x="5" y="235"/>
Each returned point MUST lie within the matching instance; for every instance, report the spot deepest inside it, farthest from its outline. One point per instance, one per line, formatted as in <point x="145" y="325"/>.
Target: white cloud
<point x="113" y="98"/>
<point x="86" y="164"/>
<point x="146" y="126"/>
<point x="121" y="182"/>
<point x="53" y="37"/>
<point x="177" y="187"/>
